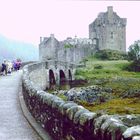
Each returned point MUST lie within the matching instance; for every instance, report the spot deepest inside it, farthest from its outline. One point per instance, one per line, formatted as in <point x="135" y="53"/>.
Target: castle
<point x="108" y="31"/>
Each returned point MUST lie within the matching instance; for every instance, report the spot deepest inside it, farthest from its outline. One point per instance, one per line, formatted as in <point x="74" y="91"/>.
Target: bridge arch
<point x="62" y="77"/>
<point x="52" y="81"/>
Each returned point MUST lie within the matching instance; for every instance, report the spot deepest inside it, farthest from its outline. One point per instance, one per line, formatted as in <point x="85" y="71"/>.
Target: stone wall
<point x="38" y="75"/>
<point x="90" y="94"/>
<point x="65" y="120"/>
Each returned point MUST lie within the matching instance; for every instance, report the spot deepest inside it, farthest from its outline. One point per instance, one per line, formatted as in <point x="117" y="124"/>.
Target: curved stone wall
<point x="66" y="120"/>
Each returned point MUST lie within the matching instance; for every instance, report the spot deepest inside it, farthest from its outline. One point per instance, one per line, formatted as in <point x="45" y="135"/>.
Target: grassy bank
<point x="109" y="69"/>
<point x="112" y="74"/>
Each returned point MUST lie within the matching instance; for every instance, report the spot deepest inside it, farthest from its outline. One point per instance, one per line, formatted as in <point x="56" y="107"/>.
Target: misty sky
<point x="27" y="20"/>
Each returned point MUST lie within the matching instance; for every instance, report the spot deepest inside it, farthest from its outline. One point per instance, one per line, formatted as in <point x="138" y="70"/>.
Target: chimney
<point x="52" y="35"/>
<point x="110" y="9"/>
<point x="41" y="39"/>
<point x="110" y="13"/>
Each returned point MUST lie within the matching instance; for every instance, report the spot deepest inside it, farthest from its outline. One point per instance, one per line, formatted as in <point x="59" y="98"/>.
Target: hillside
<point x="10" y="49"/>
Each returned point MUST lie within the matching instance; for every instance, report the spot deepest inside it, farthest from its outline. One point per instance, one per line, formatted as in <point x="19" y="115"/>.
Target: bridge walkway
<point x="13" y="125"/>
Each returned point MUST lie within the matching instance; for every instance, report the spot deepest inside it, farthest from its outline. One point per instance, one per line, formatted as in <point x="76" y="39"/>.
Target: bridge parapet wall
<point x="38" y="74"/>
<point x="66" y="120"/>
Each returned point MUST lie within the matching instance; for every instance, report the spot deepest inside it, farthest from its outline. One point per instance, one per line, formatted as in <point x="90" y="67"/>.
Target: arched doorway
<point x="62" y="78"/>
<point x="52" y="81"/>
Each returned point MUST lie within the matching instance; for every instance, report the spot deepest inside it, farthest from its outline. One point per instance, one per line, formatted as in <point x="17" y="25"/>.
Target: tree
<point x="134" y="52"/>
<point x="134" y="55"/>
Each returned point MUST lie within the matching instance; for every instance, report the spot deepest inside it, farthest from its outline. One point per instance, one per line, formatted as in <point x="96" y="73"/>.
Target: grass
<point x="116" y="106"/>
<point x="111" y="69"/>
<point x="111" y="74"/>
<point x="121" y="86"/>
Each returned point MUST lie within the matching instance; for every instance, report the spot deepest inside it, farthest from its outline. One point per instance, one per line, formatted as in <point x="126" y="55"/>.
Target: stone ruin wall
<point x="65" y="120"/>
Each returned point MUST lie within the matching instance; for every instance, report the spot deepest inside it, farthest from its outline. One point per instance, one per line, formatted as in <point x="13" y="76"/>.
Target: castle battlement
<point x="79" y="41"/>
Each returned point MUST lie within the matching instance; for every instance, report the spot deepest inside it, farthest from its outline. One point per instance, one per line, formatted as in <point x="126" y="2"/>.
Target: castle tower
<point x="48" y="48"/>
<point x="108" y="31"/>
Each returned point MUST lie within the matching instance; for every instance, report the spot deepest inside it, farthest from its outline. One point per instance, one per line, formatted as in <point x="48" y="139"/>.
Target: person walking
<point x="18" y="64"/>
<point x="9" y="66"/>
<point x="4" y="68"/>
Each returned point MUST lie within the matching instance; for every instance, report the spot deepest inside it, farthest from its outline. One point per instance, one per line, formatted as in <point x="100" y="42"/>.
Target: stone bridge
<point x="66" y="120"/>
<point x="50" y="74"/>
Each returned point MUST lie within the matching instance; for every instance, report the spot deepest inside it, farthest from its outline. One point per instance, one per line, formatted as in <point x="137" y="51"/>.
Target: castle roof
<point x="109" y="17"/>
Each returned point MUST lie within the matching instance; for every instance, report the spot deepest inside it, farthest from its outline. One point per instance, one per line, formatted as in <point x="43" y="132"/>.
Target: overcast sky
<point x="27" y="20"/>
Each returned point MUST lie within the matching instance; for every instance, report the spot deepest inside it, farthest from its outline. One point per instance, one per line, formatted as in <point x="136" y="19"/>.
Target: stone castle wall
<point x="109" y="30"/>
<point x="48" y="49"/>
<point x="66" y="120"/>
<point x="73" y="50"/>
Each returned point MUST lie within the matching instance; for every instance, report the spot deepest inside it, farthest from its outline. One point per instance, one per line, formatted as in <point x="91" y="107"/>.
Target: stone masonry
<point x="109" y="31"/>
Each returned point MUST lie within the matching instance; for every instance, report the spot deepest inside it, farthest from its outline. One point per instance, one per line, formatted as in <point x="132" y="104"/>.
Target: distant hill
<point x="11" y="50"/>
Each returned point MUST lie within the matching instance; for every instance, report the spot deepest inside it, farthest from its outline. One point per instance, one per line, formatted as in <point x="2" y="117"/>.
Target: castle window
<point x="95" y="41"/>
<point x="111" y="35"/>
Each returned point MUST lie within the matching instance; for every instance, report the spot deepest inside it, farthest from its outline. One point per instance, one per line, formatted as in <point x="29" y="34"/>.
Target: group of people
<point x="8" y="66"/>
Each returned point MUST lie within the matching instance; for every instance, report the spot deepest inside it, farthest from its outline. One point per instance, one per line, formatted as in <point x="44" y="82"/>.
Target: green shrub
<point x="110" y="55"/>
<point x="68" y="46"/>
<point x="98" y="66"/>
<point x="133" y="66"/>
